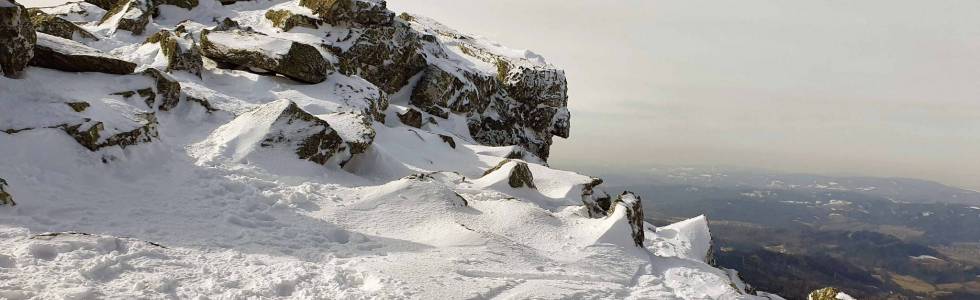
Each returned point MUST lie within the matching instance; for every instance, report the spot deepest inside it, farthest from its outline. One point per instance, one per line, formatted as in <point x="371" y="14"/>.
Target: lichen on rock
<point x="182" y="52"/>
<point x="387" y="56"/>
<point x="287" y="20"/>
<point x="59" y="27"/>
<point x="17" y="38"/>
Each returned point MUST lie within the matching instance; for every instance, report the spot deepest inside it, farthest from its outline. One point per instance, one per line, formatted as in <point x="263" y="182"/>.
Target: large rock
<point x="519" y="175"/>
<point x="181" y="50"/>
<point x="257" y="52"/>
<point x="634" y="214"/>
<point x="17" y="38"/>
<point x="387" y="56"/>
<point x="287" y="20"/>
<point x="59" y="27"/>
<point x="345" y="12"/>
<point x="63" y="54"/>
<point x="5" y="197"/>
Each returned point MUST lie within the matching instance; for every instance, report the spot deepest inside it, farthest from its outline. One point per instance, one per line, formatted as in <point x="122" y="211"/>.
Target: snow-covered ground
<point x="204" y="211"/>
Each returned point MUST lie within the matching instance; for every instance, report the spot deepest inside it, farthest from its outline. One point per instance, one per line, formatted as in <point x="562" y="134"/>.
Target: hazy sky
<point x="886" y="88"/>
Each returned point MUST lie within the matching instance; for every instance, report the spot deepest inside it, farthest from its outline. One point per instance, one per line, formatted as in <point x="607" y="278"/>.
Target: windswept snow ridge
<point x="408" y="161"/>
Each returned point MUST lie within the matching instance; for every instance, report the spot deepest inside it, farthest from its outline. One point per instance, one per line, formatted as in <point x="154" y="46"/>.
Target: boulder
<point x="287" y="20"/>
<point x="411" y="117"/>
<point x="17" y="38"/>
<point x="634" y="214"/>
<point x="58" y="27"/>
<point x="167" y="90"/>
<point x="5" y="197"/>
<point x="79" y="106"/>
<point x="346" y="12"/>
<point x="387" y="56"/>
<point x="257" y="52"/>
<point x="520" y="174"/>
<point x="181" y="50"/>
<point x="534" y="84"/>
<point x="439" y="92"/>
<point x="63" y="54"/>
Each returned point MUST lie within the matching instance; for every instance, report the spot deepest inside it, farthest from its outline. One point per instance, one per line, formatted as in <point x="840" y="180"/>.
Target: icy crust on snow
<point x="205" y="210"/>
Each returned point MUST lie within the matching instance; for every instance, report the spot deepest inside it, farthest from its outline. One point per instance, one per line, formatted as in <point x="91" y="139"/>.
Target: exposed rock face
<point x="387" y="56"/>
<point x="258" y="52"/>
<point x="317" y="141"/>
<point x="181" y="50"/>
<point x="5" y="198"/>
<point x="597" y="202"/>
<point x="58" y="27"/>
<point x="338" y="12"/>
<point x="412" y="118"/>
<point x="287" y="20"/>
<point x="17" y="38"/>
<point x="62" y="54"/>
<point x="634" y="214"/>
<point x="167" y="90"/>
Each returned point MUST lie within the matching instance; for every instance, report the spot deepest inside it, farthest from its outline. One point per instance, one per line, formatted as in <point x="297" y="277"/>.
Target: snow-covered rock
<point x="417" y="170"/>
<point x="828" y="294"/>
<point x="67" y="55"/>
<point x="262" y="53"/>
<point x="17" y="38"/>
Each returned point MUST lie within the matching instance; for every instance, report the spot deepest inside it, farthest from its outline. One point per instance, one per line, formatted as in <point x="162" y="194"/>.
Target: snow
<point x="67" y="46"/>
<point x="268" y="46"/>
<point x="206" y="212"/>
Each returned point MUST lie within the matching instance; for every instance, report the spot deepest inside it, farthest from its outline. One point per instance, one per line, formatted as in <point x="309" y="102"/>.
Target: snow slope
<point x="206" y="210"/>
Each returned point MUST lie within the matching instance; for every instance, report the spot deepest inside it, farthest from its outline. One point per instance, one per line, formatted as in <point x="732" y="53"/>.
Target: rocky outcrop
<point x="346" y="12"/>
<point x="58" y="27"/>
<point x="167" y="90"/>
<point x="596" y="201"/>
<point x="181" y="50"/>
<point x="258" y="52"/>
<point x="448" y="140"/>
<point x="634" y="214"/>
<point x="5" y="197"/>
<point x="63" y="54"/>
<point x="387" y="56"/>
<point x="17" y="38"/>
<point x="287" y="20"/>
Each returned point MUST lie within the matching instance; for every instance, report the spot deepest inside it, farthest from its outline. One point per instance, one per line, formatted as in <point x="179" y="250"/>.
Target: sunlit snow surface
<point x="200" y="213"/>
